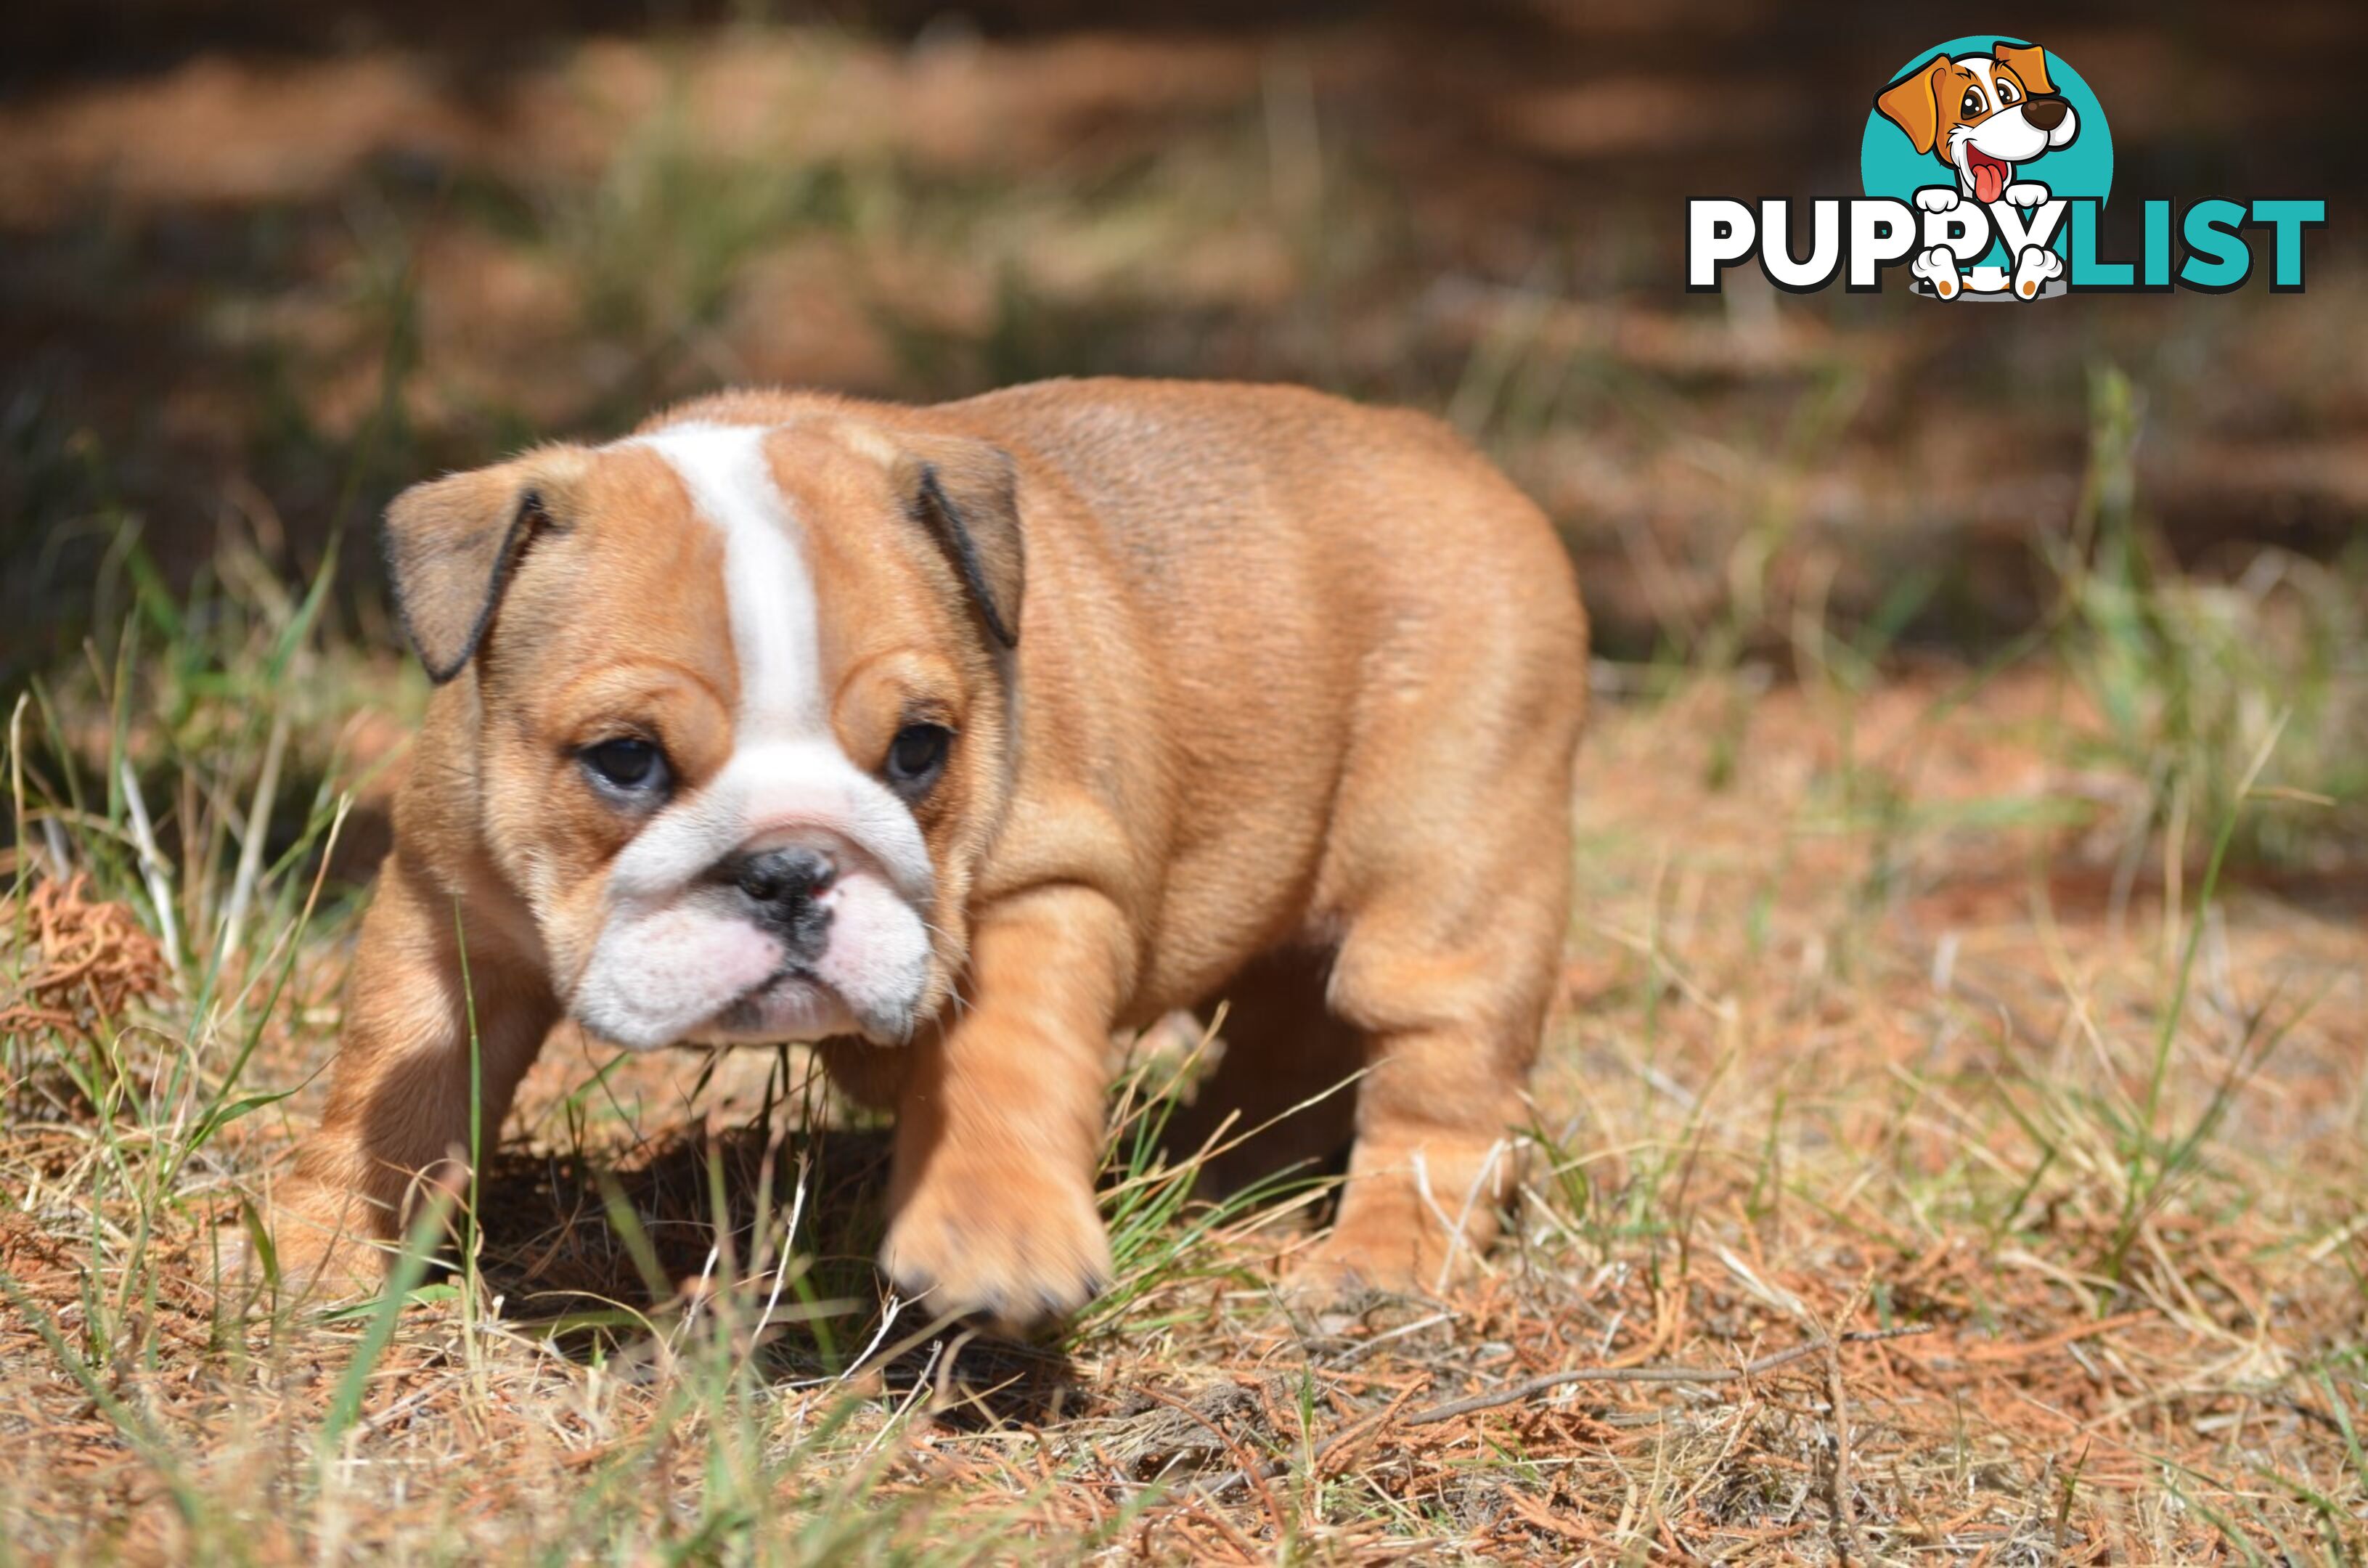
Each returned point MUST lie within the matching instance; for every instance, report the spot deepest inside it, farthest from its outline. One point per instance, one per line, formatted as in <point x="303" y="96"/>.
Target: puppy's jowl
<point x="955" y="739"/>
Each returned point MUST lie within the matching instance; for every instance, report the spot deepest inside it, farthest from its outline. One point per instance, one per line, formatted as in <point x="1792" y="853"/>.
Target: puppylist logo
<point x="1985" y="163"/>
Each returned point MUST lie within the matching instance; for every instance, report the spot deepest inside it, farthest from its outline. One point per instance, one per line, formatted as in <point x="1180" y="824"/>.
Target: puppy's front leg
<point x="399" y="1105"/>
<point x="999" y="1129"/>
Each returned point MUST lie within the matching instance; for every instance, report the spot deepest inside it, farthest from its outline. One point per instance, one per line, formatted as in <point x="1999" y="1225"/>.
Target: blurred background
<point x="264" y="263"/>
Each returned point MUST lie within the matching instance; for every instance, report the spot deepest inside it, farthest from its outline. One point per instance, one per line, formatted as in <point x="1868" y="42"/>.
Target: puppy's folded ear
<point x="1913" y="103"/>
<point x="2029" y="62"/>
<point x="452" y="544"/>
<point x="966" y="495"/>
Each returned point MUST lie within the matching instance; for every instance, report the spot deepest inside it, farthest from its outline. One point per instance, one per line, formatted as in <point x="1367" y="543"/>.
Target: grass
<point x="2005" y="989"/>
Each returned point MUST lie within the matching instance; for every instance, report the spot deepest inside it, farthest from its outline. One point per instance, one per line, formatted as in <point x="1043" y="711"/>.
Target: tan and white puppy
<point x="954" y="739"/>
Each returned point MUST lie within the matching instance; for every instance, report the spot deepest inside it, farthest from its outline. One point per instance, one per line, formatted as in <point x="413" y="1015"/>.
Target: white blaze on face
<point x="682" y="955"/>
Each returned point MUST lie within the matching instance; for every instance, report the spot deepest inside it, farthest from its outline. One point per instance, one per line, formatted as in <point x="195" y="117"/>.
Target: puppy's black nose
<point x="783" y="886"/>
<point x="782" y="878"/>
<point x="2045" y="114"/>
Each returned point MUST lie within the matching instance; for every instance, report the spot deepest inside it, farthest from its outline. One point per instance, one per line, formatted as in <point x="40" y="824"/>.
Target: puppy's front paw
<point x="2033" y="268"/>
<point x="1018" y="1250"/>
<point x="2025" y="193"/>
<point x="1938" y="266"/>
<point x="1937" y="198"/>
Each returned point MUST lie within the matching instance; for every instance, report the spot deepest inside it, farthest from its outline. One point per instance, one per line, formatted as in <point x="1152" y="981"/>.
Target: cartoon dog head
<point x="1982" y="114"/>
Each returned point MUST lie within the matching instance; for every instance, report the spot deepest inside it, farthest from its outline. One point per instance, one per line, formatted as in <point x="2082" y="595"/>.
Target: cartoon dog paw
<point x="1937" y="198"/>
<point x="2025" y="193"/>
<point x="2033" y="268"/>
<point x="1938" y="266"/>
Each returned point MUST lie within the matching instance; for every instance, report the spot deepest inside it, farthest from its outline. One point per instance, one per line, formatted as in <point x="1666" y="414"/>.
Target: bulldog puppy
<point x="954" y="739"/>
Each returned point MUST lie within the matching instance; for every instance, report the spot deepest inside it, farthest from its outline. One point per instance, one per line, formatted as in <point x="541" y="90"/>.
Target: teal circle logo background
<point x="1890" y="165"/>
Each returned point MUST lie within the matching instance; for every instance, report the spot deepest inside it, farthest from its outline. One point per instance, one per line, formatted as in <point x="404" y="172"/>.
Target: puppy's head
<point x="733" y="708"/>
<point x="1982" y="114"/>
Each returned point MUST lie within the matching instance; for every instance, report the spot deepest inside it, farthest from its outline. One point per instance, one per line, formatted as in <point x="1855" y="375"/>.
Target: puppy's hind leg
<point x="1453" y="1027"/>
<point x="1447" y="966"/>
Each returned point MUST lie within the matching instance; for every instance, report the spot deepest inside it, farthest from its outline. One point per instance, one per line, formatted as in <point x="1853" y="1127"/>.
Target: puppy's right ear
<point x="1913" y="103"/>
<point x="452" y="544"/>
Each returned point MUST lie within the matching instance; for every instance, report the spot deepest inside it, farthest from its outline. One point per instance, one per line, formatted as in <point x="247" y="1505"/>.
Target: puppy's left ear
<point x="966" y="494"/>
<point x="2029" y="63"/>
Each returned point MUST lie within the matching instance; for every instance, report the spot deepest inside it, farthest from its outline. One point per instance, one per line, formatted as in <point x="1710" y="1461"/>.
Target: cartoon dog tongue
<point x="1990" y="174"/>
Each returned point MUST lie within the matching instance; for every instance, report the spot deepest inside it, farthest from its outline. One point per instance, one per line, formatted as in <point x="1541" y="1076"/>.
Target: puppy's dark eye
<point x="916" y="756"/>
<point x="626" y="767"/>
<point x="2007" y="94"/>
<point x="1973" y="104"/>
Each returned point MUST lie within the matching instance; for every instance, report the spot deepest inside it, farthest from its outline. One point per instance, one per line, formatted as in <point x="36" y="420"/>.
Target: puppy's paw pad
<point x="1937" y="198"/>
<point x="2026" y="193"/>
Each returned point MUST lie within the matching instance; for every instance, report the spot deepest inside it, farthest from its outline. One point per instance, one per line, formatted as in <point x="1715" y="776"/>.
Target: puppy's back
<point x="1282" y="489"/>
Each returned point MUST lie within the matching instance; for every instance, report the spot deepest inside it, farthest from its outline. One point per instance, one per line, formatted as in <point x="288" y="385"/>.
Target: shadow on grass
<point x="608" y="1259"/>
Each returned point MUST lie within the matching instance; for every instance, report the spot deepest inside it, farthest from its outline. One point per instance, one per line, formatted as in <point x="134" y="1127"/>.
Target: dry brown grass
<point x="82" y="963"/>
